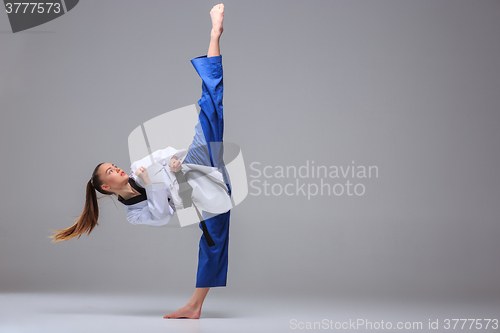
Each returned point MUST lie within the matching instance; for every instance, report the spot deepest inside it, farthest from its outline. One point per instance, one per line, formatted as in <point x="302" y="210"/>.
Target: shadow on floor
<point x="137" y="313"/>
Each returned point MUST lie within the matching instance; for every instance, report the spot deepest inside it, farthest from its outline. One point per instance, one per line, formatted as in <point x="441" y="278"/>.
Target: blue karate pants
<point x="212" y="261"/>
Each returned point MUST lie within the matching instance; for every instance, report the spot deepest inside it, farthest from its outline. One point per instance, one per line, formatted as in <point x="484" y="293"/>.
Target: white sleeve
<point x="158" y="212"/>
<point x="170" y="152"/>
<point x="181" y="154"/>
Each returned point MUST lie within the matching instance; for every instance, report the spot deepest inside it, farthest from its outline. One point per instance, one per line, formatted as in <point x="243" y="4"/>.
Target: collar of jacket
<point x="137" y="198"/>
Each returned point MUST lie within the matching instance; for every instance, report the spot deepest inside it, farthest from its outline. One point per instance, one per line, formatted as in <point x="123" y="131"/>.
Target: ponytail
<point x="88" y="220"/>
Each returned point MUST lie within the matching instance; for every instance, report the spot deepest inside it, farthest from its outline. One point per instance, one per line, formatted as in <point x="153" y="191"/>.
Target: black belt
<point x="185" y="191"/>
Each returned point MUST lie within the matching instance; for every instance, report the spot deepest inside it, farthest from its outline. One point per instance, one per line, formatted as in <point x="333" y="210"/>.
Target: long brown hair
<point x="88" y="220"/>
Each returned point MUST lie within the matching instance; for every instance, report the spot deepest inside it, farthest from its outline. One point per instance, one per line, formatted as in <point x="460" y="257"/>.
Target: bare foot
<point x="217" y="14"/>
<point x="187" y="311"/>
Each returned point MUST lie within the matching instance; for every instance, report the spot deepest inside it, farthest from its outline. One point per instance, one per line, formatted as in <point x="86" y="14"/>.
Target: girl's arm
<point x="158" y="210"/>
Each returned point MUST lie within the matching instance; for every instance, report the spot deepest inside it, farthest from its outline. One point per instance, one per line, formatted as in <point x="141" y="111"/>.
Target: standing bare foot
<point x="187" y="311"/>
<point x="217" y="14"/>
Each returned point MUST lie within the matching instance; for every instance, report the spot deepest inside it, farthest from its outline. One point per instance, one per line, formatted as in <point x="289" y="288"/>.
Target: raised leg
<point x="192" y="309"/>
<point x="217" y="14"/>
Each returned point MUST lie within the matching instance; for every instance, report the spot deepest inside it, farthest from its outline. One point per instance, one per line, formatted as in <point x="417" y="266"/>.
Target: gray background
<point x="409" y="86"/>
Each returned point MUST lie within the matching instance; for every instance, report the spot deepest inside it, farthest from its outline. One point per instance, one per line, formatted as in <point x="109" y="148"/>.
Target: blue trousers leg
<point x="212" y="260"/>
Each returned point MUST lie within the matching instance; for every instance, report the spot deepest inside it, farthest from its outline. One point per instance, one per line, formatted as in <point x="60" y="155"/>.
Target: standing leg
<point x="192" y="309"/>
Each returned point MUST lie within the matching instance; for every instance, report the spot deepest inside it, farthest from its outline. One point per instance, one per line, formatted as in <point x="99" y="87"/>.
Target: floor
<point x="82" y="313"/>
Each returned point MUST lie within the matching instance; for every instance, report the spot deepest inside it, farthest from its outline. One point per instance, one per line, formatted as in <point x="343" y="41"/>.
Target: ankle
<point x="194" y="305"/>
<point x="215" y="34"/>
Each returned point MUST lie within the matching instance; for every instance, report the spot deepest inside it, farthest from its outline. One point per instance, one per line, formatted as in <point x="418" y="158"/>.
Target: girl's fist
<point x="142" y="173"/>
<point x="175" y="164"/>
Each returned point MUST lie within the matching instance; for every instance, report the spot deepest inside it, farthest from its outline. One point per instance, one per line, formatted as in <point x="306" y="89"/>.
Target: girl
<point x="153" y="205"/>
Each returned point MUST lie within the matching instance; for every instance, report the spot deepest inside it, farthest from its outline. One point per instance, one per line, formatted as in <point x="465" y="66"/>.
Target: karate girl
<point x="109" y="179"/>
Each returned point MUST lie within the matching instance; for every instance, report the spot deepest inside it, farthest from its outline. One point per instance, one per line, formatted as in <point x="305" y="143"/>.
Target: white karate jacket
<point x="158" y="202"/>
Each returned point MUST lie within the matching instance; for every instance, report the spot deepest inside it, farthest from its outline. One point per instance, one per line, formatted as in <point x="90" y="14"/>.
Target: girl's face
<point x="112" y="177"/>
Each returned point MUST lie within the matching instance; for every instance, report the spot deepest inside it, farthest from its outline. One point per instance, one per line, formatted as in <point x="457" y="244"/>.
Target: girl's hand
<point x="142" y="173"/>
<point x="175" y="164"/>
